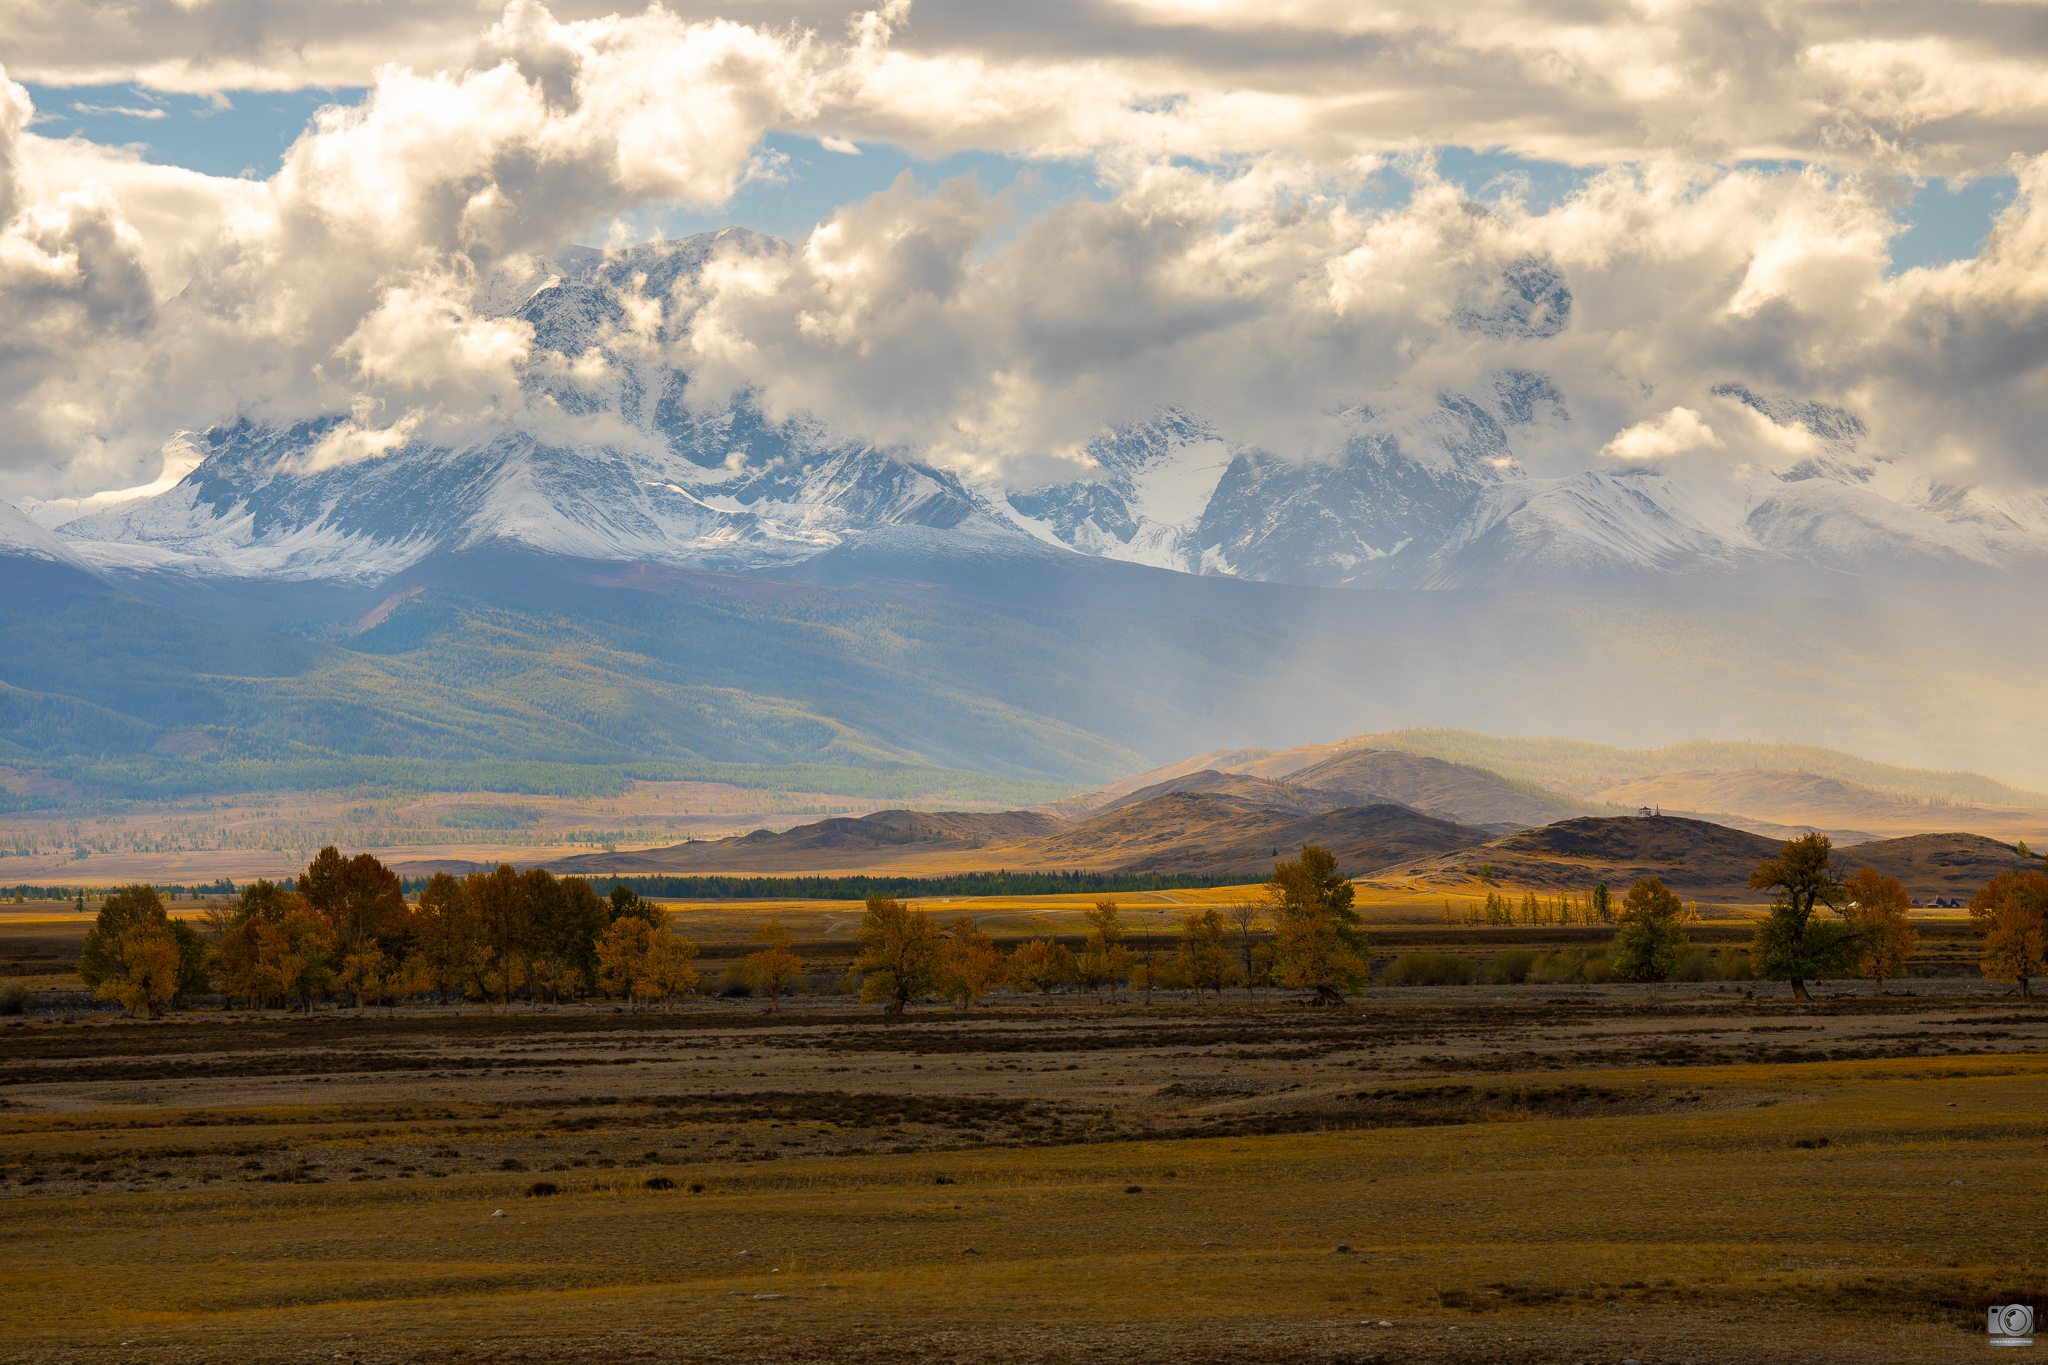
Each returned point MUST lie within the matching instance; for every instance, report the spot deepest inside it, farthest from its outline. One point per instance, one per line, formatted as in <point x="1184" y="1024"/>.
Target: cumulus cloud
<point x="1671" y="433"/>
<point x="1919" y="86"/>
<point x="1230" y="268"/>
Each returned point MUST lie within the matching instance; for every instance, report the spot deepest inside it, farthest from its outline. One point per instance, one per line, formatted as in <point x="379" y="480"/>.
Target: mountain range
<point x="621" y="578"/>
<point x="613" y="462"/>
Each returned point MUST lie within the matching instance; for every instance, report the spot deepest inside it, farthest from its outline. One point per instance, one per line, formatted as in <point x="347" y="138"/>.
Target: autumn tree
<point x="1148" y="967"/>
<point x="501" y="918"/>
<point x="1041" y="965"/>
<point x="970" y="964"/>
<point x="446" y="950"/>
<point x="774" y="964"/>
<point x="2011" y="912"/>
<point x="900" y="959"/>
<point x="1204" y="959"/>
<point x="1790" y="944"/>
<point x="1106" y="959"/>
<point x="563" y="920"/>
<point x="130" y="954"/>
<point x="1651" y="938"/>
<point x="1243" y="919"/>
<point x="670" y="967"/>
<point x="366" y="973"/>
<point x="362" y="900"/>
<point x="294" y="953"/>
<point x="621" y="949"/>
<point x="1884" y="938"/>
<point x="1322" y="947"/>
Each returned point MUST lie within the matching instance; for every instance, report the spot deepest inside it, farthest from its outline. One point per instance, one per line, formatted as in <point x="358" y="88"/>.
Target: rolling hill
<point x="1696" y="859"/>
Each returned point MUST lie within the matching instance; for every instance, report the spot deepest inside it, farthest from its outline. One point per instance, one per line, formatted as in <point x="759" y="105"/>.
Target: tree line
<point x="1870" y="935"/>
<point x="346" y="926"/>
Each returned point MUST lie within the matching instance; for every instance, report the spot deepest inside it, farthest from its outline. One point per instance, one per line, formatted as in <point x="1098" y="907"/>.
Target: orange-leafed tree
<point x="294" y="954"/>
<point x="2011" y="912"/>
<point x="366" y="974"/>
<point x="364" y="903"/>
<point x="1884" y="939"/>
<point x="134" y="954"/>
<point x="970" y="963"/>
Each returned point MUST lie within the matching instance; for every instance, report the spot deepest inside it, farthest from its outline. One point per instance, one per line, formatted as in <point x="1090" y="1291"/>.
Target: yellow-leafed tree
<point x="771" y="968"/>
<point x="900" y="958"/>
<point x="1322" y="946"/>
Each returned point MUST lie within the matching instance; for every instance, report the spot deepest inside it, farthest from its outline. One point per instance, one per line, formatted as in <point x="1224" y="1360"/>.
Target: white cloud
<point x="1676" y="432"/>
<point x="1920" y="86"/>
<point x="123" y="110"/>
<point x="1229" y="271"/>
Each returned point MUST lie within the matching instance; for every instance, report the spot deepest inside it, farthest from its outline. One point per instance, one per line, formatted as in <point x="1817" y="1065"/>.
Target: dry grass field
<point x="1481" y="1173"/>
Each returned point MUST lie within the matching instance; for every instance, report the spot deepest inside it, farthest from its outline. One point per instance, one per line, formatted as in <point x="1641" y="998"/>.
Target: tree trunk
<point x="1799" y="990"/>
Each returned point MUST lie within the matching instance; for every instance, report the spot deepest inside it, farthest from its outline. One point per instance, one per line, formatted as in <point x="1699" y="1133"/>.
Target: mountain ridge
<point x="617" y="460"/>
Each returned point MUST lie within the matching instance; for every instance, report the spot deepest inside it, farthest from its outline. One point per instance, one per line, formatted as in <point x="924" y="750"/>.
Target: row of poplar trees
<point x="345" y="926"/>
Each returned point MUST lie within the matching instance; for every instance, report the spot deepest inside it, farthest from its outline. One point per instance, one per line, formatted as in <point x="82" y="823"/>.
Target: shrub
<point x="1695" y="964"/>
<point x="1596" y="968"/>
<point x="541" y="1189"/>
<point x="660" y="1182"/>
<point x="1732" y="964"/>
<point x="1554" y="968"/>
<point x="1510" y="967"/>
<point x="14" y="997"/>
<point x="734" y="984"/>
<point x="511" y="1164"/>
<point x="1432" y="969"/>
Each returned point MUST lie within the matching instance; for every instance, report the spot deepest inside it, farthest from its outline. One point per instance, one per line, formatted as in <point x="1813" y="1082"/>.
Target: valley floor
<point x="1455" y="1174"/>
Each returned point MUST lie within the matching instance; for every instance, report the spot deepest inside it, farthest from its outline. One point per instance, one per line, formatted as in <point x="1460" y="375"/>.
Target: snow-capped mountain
<point x="610" y="462"/>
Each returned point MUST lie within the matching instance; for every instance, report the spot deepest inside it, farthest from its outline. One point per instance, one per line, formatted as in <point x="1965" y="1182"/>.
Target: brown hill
<point x="1951" y="866"/>
<point x="1217" y="834"/>
<point x="1198" y="832"/>
<point x="1694" y="858"/>
<point x="1699" y="859"/>
<point x="1330" y="776"/>
<point x="1759" y="797"/>
<point x="839" y="844"/>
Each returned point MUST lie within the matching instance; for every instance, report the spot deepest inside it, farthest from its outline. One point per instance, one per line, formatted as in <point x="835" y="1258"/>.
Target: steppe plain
<point x="1496" y="1173"/>
<point x="1708" y="1173"/>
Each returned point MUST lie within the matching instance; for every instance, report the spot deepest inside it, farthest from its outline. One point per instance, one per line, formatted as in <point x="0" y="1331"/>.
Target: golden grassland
<point x="1706" y="1233"/>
